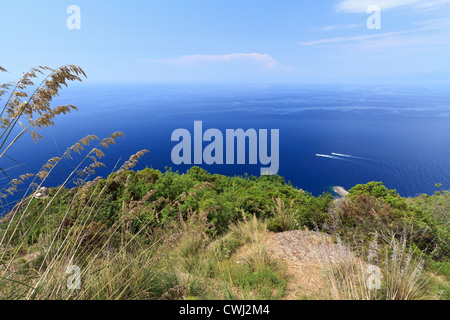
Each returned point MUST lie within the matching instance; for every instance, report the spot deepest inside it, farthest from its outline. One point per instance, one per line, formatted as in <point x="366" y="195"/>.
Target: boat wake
<point x="327" y="156"/>
<point x="346" y="155"/>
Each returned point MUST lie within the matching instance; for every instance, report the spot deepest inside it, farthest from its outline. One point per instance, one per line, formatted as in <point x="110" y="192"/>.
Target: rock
<point x="42" y="192"/>
<point x="340" y="191"/>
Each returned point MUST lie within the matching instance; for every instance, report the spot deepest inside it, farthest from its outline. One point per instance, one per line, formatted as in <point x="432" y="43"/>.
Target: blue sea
<point x="397" y="135"/>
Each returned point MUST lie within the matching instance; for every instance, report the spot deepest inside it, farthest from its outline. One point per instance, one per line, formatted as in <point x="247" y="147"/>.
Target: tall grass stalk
<point x="361" y="274"/>
<point x="44" y="275"/>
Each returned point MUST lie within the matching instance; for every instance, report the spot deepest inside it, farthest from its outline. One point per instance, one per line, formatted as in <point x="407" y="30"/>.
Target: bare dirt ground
<point x="305" y="253"/>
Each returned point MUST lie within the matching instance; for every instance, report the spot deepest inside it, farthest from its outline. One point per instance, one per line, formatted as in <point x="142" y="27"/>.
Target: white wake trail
<point x="343" y="155"/>
<point x="327" y="156"/>
<point x="349" y="156"/>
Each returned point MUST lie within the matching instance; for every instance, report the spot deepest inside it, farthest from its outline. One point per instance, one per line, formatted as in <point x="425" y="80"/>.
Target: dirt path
<point x="304" y="252"/>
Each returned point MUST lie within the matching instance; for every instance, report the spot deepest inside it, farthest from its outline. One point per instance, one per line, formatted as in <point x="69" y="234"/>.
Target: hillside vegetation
<point x="155" y="235"/>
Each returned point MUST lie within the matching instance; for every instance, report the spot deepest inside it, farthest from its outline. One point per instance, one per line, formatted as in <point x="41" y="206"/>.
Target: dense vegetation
<point x="149" y="207"/>
<point x="164" y="197"/>
<point x="170" y="195"/>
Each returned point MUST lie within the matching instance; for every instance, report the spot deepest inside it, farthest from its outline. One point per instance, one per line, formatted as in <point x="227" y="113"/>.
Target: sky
<point x="237" y="41"/>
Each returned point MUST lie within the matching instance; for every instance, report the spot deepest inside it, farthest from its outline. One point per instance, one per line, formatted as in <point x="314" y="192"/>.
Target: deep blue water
<point x="400" y="136"/>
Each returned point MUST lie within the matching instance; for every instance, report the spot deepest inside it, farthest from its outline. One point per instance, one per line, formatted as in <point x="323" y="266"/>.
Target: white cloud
<point x="431" y="32"/>
<point x="356" y="38"/>
<point x="406" y="38"/>
<point x="341" y="27"/>
<point x="437" y="23"/>
<point x="262" y="59"/>
<point x="432" y="4"/>
<point x="421" y="42"/>
<point x="359" y="6"/>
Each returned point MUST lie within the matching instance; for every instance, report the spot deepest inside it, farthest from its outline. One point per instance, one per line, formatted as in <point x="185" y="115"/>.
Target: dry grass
<point x="395" y="275"/>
